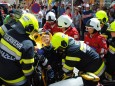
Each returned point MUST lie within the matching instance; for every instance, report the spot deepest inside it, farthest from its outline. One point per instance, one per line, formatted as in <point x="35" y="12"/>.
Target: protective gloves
<point x="50" y="73"/>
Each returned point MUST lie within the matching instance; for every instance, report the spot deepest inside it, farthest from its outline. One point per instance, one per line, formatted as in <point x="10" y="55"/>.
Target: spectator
<point x="1" y="20"/>
<point x="50" y="9"/>
<point x="111" y="16"/>
<point x="55" y="7"/>
<point x="40" y="17"/>
<point x="77" y="19"/>
<point x="44" y="10"/>
<point x="87" y="14"/>
<point x="25" y="9"/>
<point x="2" y="12"/>
<point x="62" y="9"/>
<point x="68" y="12"/>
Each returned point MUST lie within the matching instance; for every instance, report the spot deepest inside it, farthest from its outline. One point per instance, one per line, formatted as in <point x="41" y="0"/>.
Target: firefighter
<point x="94" y="39"/>
<point x="51" y="24"/>
<point x="17" y="52"/>
<point x="79" y="55"/>
<point x="103" y="18"/>
<point x="65" y="23"/>
<point x="110" y="60"/>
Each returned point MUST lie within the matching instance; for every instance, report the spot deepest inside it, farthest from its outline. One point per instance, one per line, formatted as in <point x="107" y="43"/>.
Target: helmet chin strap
<point x="66" y="28"/>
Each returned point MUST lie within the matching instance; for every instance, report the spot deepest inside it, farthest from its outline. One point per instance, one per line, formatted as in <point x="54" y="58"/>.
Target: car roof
<point x="5" y="4"/>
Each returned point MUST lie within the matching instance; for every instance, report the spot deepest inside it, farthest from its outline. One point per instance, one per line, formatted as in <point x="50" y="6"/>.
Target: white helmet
<point x="64" y="21"/>
<point x="95" y="23"/>
<point x="50" y="16"/>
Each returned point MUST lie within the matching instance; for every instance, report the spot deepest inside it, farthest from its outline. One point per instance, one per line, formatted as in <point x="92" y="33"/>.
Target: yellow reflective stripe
<point x="28" y="71"/>
<point x="73" y="58"/>
<point x="9" y="51"/>
<point x="1" y="31"/>
<point x="14" y="81"/>
<point x="81" y="46"/>
<point x="11" y="47"/>
<point x="63" y="60"/>
<point x="112" y="48"/>
<point x="68" y="67"/>
<point x="100" y="69"/>
<point x="27" y="61"/>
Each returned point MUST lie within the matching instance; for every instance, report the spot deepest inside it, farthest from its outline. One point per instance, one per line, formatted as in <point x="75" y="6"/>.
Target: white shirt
<point x="40" y="16"/>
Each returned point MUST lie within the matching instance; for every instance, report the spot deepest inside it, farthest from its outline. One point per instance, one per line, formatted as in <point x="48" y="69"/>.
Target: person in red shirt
<point x="51" y="24"/>
<point x="94" y="39"/>
<point x="65" y="23"/>
<point x="68" y="12"/>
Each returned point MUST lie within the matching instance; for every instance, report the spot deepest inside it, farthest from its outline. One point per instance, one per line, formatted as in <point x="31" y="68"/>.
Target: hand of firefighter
<point x="50" y="73"/>
<point x="39" y="58"/>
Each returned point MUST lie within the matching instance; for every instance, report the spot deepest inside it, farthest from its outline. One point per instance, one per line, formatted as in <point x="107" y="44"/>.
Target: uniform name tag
<point x="13" y="41"/>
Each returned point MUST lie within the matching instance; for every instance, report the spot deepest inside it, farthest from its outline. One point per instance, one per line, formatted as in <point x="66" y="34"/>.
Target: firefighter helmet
<point x="64" y="21"/>
<point x="50" y="16"/>
<point x="61" y="42"/>
<point x="94" y="23"/>
<point x="29" y="22"/>
<point x="102" y="16"/>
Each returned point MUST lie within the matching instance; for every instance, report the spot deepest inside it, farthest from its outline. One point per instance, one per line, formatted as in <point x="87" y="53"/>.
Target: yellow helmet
<point x="102" y="16"/>
<point x="29" y="22"/>
<point x="112" y="27"/>
<point x="59" y="40"/>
